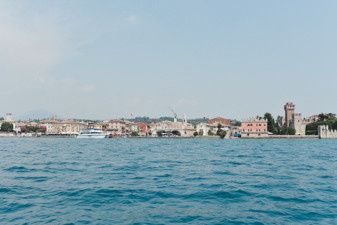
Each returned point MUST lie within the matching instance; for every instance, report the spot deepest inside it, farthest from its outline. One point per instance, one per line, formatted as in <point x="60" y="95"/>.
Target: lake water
<point x="167" y="181"/>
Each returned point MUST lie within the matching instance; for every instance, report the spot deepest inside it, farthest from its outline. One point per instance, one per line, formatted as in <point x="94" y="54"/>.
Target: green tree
<point x="272" y="127"/>
<point x="327" y="116"/>
<point x="219" y="129"/>
<point x="6" y="127"/>
<point x="210" y="133"/>
<point x="195" y="134"/>
<point x="33" y="129"/>
<point x="312" y="128"/>
<point x="291" y="131"/>
<point x="287" y="131"/>
<point x="236" y="123"/>
<point x="222" y="134"/>
<point x="134" y="134"/>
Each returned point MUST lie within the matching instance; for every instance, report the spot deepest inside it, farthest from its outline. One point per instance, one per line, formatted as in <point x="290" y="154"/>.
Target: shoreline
<point x="271" y="137"/>
<point x="285" y="137"/>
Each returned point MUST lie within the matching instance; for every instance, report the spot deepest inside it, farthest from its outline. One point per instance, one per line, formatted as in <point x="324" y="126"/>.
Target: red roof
<point x="220" y="120"/>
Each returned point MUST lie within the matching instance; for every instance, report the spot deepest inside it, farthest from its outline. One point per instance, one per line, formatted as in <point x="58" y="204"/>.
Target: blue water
<point x="168" y="181"/>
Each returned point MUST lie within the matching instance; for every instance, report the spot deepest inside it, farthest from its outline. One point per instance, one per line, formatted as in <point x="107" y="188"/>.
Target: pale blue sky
<point x="108" y="59"/>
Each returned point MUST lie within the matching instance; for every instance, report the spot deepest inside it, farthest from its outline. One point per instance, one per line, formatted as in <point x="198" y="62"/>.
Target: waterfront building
<point x="117" y="127"/>
<point x="254" y="128"/>
<point x="122" y="128"/>
<point x="211" y="127"/>
<point x="206" y="129"/>
<point x="68" y="127"/>
<point x="101" y="125"/>
<point x="203" y="129"/>
<point x="172" y="128"/>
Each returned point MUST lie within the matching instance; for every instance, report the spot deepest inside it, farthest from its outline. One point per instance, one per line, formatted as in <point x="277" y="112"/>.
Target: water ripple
<point x="167" y="181"/>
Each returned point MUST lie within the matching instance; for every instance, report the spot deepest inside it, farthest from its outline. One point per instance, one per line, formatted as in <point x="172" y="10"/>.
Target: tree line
<point x="9" y="127"/>
<point x="275" y="128"/>
<point x="328" y="119"/>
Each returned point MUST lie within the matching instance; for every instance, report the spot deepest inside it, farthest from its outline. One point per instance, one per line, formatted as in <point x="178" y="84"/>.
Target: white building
<point x="206" y="129"/>
<point x="175" y="128"/>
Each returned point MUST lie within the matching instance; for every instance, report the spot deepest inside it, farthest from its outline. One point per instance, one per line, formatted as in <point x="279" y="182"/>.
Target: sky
<point x="111" y="59"/>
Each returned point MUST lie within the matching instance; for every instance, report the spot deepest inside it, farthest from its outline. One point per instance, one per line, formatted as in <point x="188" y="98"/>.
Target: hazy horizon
<point x="114" y="59"/>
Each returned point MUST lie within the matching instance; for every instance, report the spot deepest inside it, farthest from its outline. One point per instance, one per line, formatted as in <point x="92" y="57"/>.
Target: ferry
<point x="92" y="133"/>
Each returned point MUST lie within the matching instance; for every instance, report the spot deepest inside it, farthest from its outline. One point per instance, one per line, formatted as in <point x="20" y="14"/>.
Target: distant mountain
<point x="34" y="114"/>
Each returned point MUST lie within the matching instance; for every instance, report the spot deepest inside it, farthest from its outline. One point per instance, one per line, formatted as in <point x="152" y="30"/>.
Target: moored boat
<point x="92" y="133"/>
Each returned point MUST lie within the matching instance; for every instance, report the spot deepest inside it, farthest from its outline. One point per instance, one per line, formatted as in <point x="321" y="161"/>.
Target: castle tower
<point x="289" y="110"/>
<point x="297" y="124"/>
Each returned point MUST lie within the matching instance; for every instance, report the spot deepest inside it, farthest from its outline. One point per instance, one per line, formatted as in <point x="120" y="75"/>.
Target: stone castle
<point x="325" y="133"/>
<point x="293" y="119"/>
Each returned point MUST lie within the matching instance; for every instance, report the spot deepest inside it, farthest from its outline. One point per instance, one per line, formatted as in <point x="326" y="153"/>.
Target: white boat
<point x="92" y="133"/>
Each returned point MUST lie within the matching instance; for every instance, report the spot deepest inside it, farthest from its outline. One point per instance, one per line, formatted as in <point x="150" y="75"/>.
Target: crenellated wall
<point x="325" y="133"/>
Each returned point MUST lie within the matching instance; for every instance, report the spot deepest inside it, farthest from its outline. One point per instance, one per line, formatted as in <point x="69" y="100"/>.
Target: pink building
<point x="144" y="129"/>
<point x="254" y="128"/>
